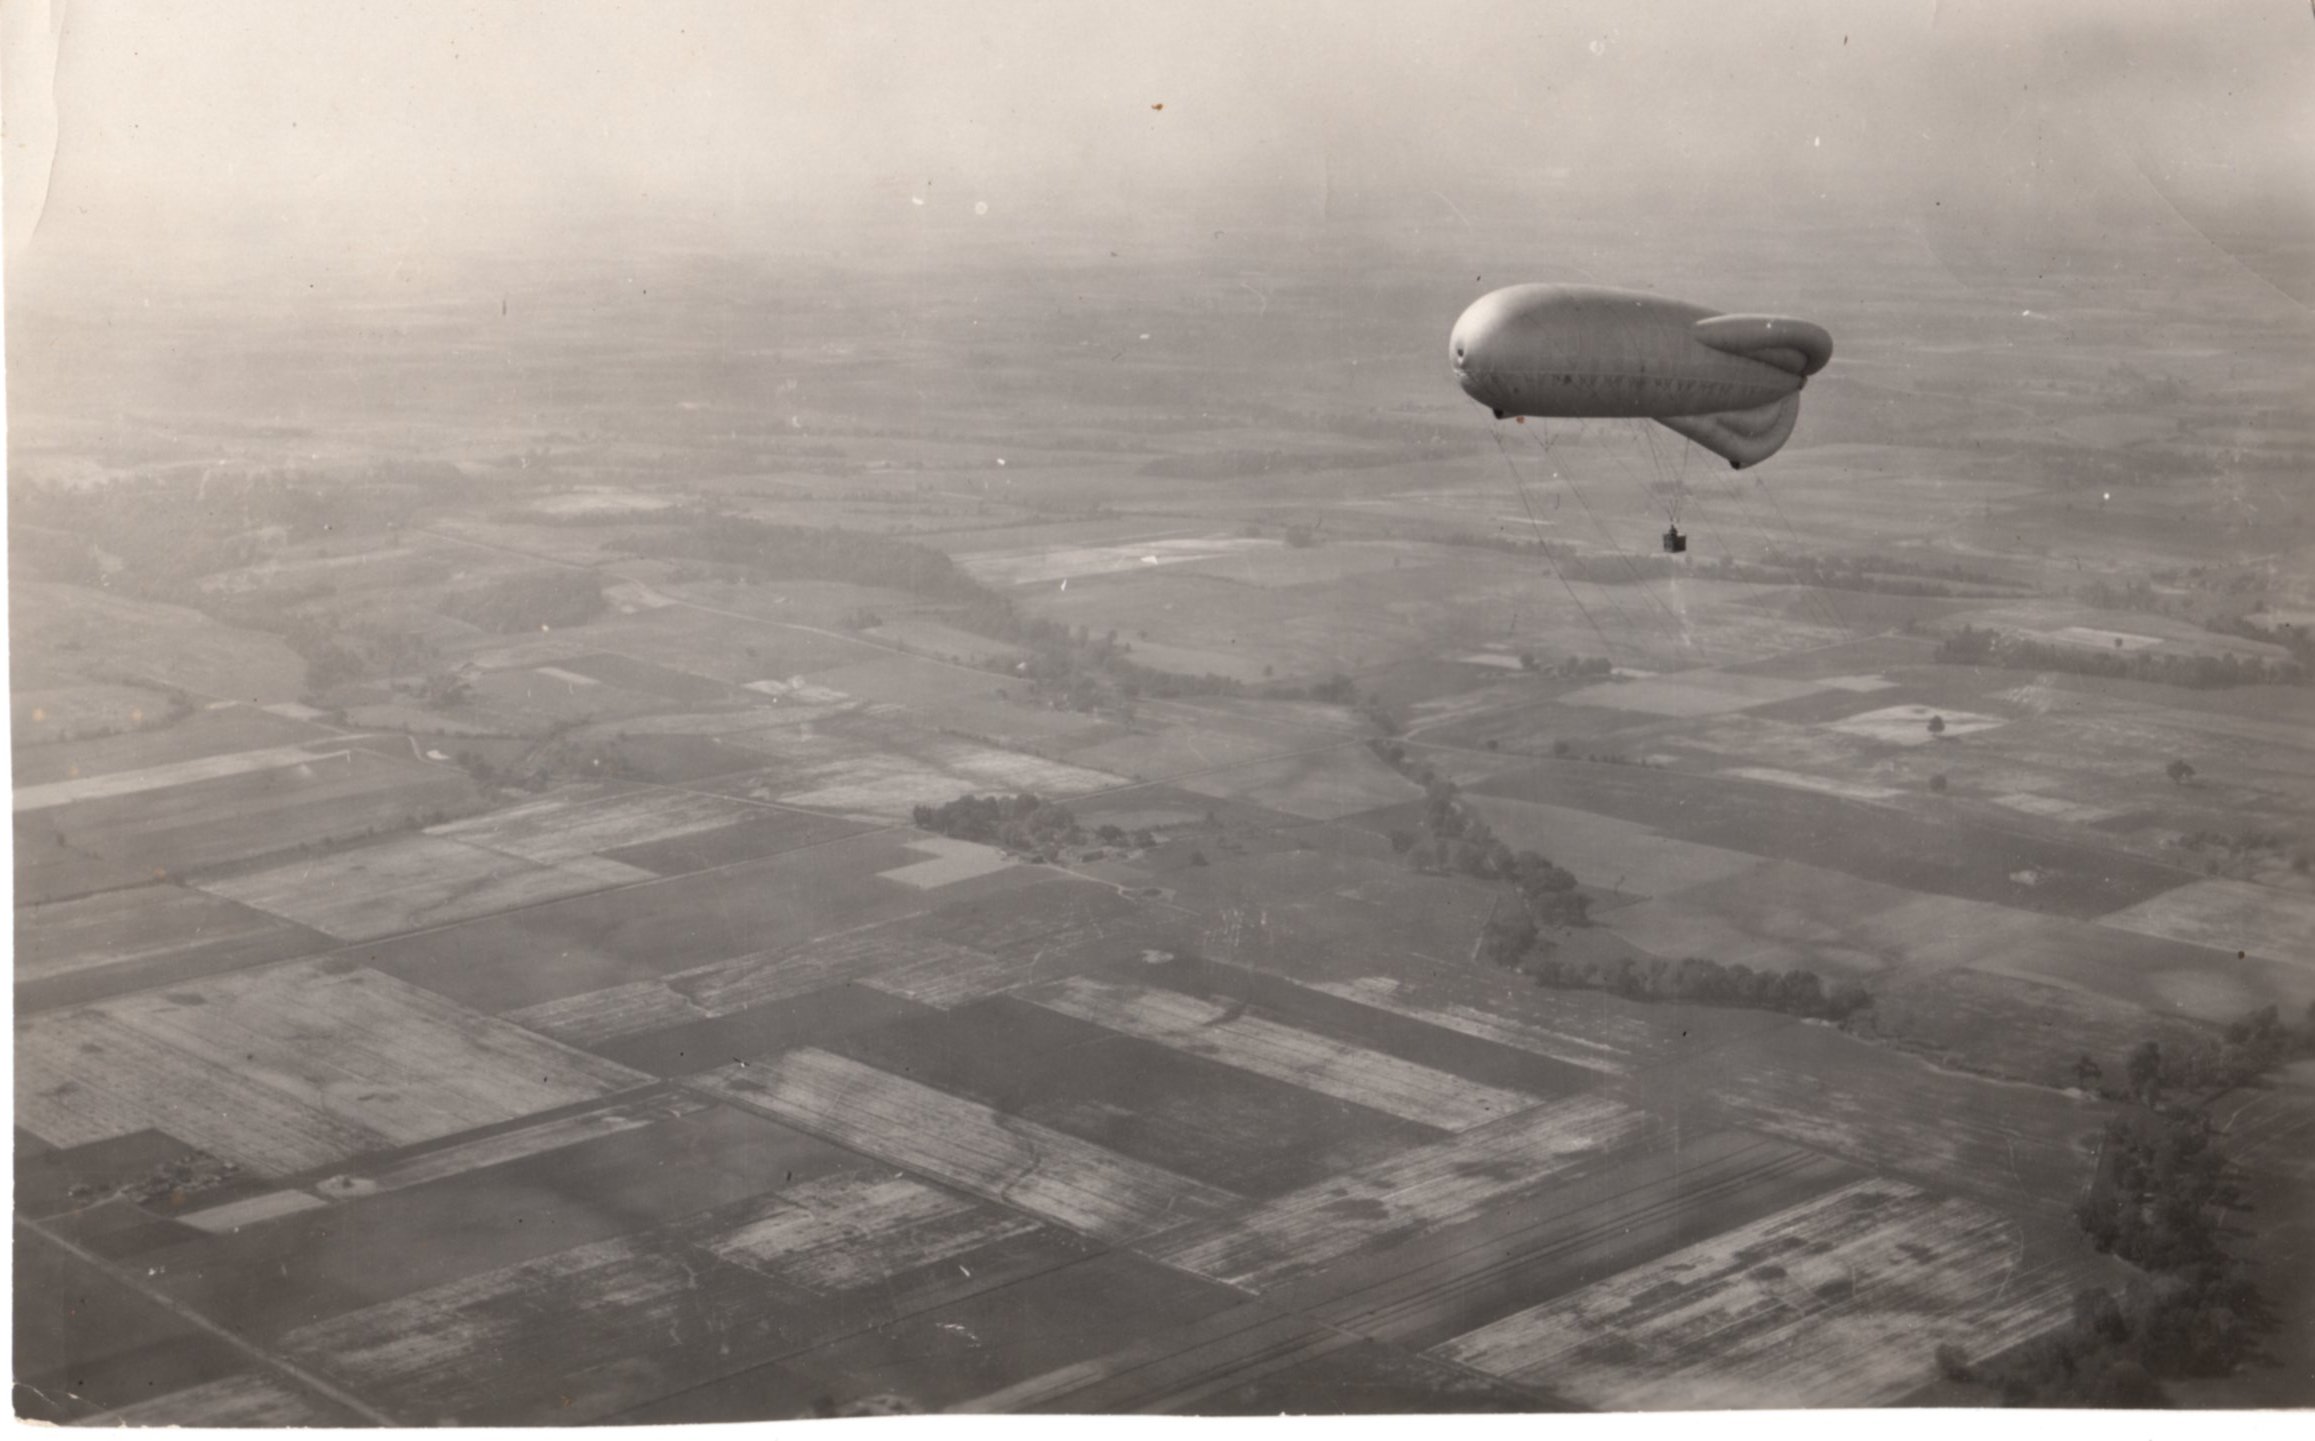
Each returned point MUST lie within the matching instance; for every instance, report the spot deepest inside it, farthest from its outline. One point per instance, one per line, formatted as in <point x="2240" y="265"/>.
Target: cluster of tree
<point x="1025" y="824"/>
<point x="2159" y="1179"/>
<point x="2294" y="638"/>
<point x="1450" y="839"/>
<point x="336" y="656"/>
<point x="1082" y="671"/>
<point x="526" y="602"/>
<point x="2159" y="1200"/>
<point x="2245" y="1050"/>
<point x="1971" y="646"/>
<point x="2200" y="1321"/>
<point x="1795" y="992"/>
<point x="2246" y="846"/>
<point x="1863" y="568"/>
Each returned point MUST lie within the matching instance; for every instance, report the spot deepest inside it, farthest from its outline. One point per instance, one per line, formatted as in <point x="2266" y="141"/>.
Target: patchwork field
<point x="476" y="961"/>
<point x="289" y="1068"/>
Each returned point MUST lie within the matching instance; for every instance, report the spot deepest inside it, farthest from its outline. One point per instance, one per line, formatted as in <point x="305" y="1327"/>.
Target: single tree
<point x="1937" y="725"/>
<point x="2179" y="772"/>
<point x="1937" y="783"/>
<point x="2087" y="1072"/>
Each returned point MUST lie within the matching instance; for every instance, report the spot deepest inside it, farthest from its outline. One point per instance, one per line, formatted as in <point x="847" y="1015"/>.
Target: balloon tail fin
<point x="1740" y="437"/>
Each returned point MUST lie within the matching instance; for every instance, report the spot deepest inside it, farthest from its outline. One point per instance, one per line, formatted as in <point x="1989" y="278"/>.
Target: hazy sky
<point x="351" y="133"/>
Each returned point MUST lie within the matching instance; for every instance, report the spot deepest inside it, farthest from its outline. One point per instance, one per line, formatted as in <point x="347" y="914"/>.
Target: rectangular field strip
<point x="175" y="773"/>
<point x="721" y="988"/>
<point x="1019" y="1163"/>
<point x="251" y="1211"/>
<point x="2228" y="916"/>
<point x="591" y="819"/>
<point x="464" y="1156"/>
<point x="411" y="882"/>
<point x="855" y="1229"/>
<point x="1234" y="1036"/>
<point x="945" y="976"/>
<point x="1419" y="1190"/>
<point x="1837" y="1302"/>
<point x="1386" y="993"/>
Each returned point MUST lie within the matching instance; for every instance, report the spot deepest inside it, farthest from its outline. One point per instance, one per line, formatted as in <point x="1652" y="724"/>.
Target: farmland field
<point x="1824" y="1304"/>
<point x="127" y="940"/>
<point x="1069" y="1182"/>
<point x="408" y="884"/>
<point x="478" y="957"/>
<point x="373" y="1062"/>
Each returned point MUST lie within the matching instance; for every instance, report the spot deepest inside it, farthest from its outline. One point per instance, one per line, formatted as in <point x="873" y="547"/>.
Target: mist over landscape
<point x="846" y="687"/>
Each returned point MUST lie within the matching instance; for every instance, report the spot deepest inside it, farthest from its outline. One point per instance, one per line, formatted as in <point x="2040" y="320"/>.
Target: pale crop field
<point x="1238" y="1036"/>
<point x="1691" y="693"/>
<point x="2228" y="916"/>
<point x="1908" y="725"/>
<point x="1837" y="1302"/>
<point x="1416" y="1191"/>
<point x="1388" y="993"/>
<point x="720" y="988"/>
<point x="174" y="773"/>
<point x="589" y="819"/>
<point x="944" y="976"/>
<point x="948" y="862"/>
<point x="854" y="1229"/>
<point x="1321" y="787"/>
<point x="408" y="882"/>
<point x="291" y="1068"/>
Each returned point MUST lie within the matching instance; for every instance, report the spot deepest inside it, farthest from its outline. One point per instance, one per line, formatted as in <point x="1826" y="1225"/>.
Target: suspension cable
<point x="1677" y="628"/>
<point x="1537" y="526"/>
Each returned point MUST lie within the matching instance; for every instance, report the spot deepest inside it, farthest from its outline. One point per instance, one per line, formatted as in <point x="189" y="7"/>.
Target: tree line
<point x="1024" y="824"/>
<point x="1448" y="838"/>
<point x="1971" y="646"/>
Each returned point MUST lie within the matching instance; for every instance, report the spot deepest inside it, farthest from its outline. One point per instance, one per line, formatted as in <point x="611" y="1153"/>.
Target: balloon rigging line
<point x="1537" y="526"/>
